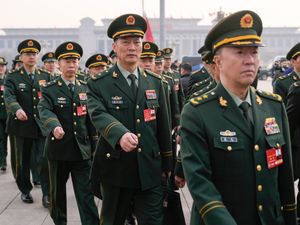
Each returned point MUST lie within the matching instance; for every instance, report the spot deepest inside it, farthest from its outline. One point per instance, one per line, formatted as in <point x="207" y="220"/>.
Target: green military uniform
<point x="62" y="107"/>
<point x="95" y="61"/>
<point x="211" y="85"/>
<point x="116" y="109"/>
<point x="23" y="92"/>
<point x="283" y="83"/>
<point x="228" y="160"/>
<point x="50" y="57"/>
<point x="3" y="115"/>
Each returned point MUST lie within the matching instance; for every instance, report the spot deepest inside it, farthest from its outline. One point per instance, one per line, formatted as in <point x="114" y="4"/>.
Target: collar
<point x="239" y="101"/>
<point x="126" y="73"/>
<point x="68" y="82"/>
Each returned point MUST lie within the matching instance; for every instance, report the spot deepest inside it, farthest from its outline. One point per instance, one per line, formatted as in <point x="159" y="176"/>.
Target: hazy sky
<point x="67" y="13"/>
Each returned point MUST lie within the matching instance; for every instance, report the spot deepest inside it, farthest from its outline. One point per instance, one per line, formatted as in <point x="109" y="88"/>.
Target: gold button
<point x="139" y="149"/>
<point x="2" y="103"/>
<point x="34" y="107"/>
<point x="1" y="96"/>
<point x="75" y="132"/>
<point x="117" y="107"/>
<point x="259" y="187"/>
<point x="258" y="167"/>
<point x="74" y="104"/>
<point x="74" y="114"/>
<point x="256" y="147"/>
<point x="278" y="145"/>
<point x="34" y="98"/>
<point x="229" y="148"/>
<point x="138" y="120"/>
<point x="107" y="155"/>
<point x="139" y="135"/>
<point x="75" y="123"/>
<point x="137" y="106"/>
<point x="260" y="208"/>
<point x="33" y="89"/>
<point x="52" y="138"/>
<point x="34" y="115"/>
<point x="61" y="106"/>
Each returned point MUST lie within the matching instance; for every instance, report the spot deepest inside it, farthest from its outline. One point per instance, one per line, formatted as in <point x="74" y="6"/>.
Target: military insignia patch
<point x="258" y="100"/>
<point x="223" y="102"/>
<point x="114" y="75"/>
<point x="117" y="100"/>
<point x="98" y="57"/>
<point x="69" y="47"/>
<point x="130" y="20"/>
<point x="295" y="78"/>
<point x="50" y="55"/>
<point x="271" y="126"/>
<point x="227" y="133"/>
<point x="246" y="21"/>
<point x="147" y="46"/>
<point x="228" y="136"/>
<point x="61" y="100"/>
<point x="22" y="85"/>
<point x="158" y="54"/>
<point x="150" y="94"/>
<point x="30" y="43"/>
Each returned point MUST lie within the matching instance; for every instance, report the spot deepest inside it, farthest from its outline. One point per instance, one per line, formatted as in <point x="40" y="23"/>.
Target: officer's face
<point x="296" y="63"/>
<point x="128" y="49"/>
<point x="167" y="63"/>
<point x="238" y="65"/>
<point x="29" y="58"/>
<point x="159" y="67"/>
<point x="50" y="66"/>
<point x="2" y="69"/>
<point x="94" y="70"/>
<point x="68" y="67"/>
<point x="147" y="63"/>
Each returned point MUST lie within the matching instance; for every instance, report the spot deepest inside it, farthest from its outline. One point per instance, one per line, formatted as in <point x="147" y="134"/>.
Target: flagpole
<point x="162" y="24"/>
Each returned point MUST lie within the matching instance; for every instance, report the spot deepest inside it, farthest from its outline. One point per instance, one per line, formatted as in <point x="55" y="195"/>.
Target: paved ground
<point x="14" y="212"/>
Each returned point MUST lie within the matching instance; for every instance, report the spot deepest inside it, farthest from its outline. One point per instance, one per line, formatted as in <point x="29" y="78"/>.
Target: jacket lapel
<point x="143" y="84"/>
<point x="25" y="76"/>
<point x="231" y="111"/>
<point x="121" y="83"/>
<point x="63" y="88"/>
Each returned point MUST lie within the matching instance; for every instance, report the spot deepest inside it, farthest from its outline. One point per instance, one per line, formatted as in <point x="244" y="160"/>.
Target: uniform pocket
<point x="276" y="140"/>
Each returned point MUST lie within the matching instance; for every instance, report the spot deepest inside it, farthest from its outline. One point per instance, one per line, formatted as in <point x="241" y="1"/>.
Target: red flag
<point x="149" y="36"/>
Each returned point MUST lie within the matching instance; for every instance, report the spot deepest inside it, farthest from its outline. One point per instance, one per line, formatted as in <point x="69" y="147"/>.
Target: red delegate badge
<point x="2" y="88"/>
<point x="149" y="115"/>
<point x="81" y="110"/>
<point x="39" y="94"/>
<point x="274" y="157"/>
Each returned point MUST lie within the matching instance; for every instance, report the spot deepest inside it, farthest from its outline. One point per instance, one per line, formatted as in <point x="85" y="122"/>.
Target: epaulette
<point x="203" y="98"/>
<point x="82" y="81"/>
<point x="44" y="71"/>
<point x="196" y="71"/>
<point x="101" y="75"/>
<point x="269" y="95"/>
<point x="283" y="77"/>
<point x="152" y="74"/>
<point x="202" y="82"/>
<point x="51" y="83"/>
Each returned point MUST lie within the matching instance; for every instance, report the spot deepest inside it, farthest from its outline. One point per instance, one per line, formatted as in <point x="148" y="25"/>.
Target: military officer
<point x="3" y="134"/>
<point x="63" y="111"/>
<point x="96" y="64"/>
<point x="21" y="95"/>
<point x="235" y="144"/>
<point x="50" y="64"/>
<point x="113" y="57"/>
<point x="17" y="62"/>
<point x="147" y="60"/>
<point x="159" y="62"/>
<point x="127" y="106"/>
<point x="175" y="76"/>
<point x="283" y="83"/>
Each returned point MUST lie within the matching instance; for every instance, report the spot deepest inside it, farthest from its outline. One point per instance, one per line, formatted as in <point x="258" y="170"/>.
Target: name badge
<point x="117" y="100"/>
<point x="61" y="100"/>
<point x="149" y="115"/>
<point x="22" y="85"/>
<point x="271" y="126"/>
<point x="229" y="139"/>
<point x="150" y="94"/>
<point x="274" y="157"/>
<point x="81" y="110"/>
<point x="82" y="96"/>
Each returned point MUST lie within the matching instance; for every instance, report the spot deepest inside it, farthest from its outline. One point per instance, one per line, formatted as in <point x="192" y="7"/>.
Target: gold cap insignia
<point x="246" y="21"/>
<point x="168" y="50"/>
<point x="130" y="20"/>
<point x="30" y="43"/>
<point x="69" y="47"/>
<point x="258" y="100"/>
<point x="115" y="75"/>
<point x="50" y="55"/>
<point x="147" y="46"/>
<point x="98" y="57"/>
<point x="228" y="133"/>
<point x="158" y="54"/>
<point x="223" y="102"/>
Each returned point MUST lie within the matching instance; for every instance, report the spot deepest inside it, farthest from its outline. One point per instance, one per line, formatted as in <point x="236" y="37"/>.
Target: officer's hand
<point x="21" y="115"/>
<point x="180" y="182"/>
<point x="129" y="142"/>
<point x="58" y="133"/>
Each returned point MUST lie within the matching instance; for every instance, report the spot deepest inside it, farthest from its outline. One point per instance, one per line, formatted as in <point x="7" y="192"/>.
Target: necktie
<point x="133" y="86"/>
<point x="245" y="108"/>
<point x="31" y="76"/>
<point x="71" y="88"/>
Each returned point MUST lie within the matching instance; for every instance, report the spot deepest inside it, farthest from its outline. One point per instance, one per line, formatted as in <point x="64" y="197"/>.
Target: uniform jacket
<point x="3" y="114"/>
<point x="114" y="111"/>
<point x="21" y="92"/>
<point x="225" y="162"/>
<point x="283" y="83"/>
<point x="59" y="108"/>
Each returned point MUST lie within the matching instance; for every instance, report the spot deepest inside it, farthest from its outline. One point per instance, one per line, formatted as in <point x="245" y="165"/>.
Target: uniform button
<point x="1" y="96"/>
<point x="139" y="149"/>
<point x="278" y="145"/>
<point x="52" y="138"/>
<point x="61" y="106"/>
<point x="260" y="208"/>
<point x="137" y="106"/>
<point x="34" y="107"/>
<point x="259" y="187"/>
<point x="34" y="98"/>
<point x="229" y="148"/>
<point x="2" y="103"/>
<point x="74" y="104"/>
<point x="258" y="167"/>
<point x="33" y="89"/>
<point x="256" y="147"/>
<point x="117" y="107"/>
<point x="74" y="114"/>
<point x="75" y="123"/>
<point x="34" y="115"/>
<point x="75" y="132"/>
<point x="138" y="120"/>
<point x="139" y="135"/>
<point x="107" y="155"/>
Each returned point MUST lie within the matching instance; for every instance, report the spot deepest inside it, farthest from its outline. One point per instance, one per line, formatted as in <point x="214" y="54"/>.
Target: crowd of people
<point x="136" y="127"/>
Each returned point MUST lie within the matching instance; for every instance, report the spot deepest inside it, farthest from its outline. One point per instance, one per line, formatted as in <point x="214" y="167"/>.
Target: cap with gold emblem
<point x="2" y="61"/>
<point x="17" y="59"/>
<point x="159" y="56"/>
<point x="168" y="53"/>
<point x="112" y="54"/>
<point x="29" y="45"/>
<point x="242" y="28"/>
<point x="127" y="25"/>
<point x="149" y="50"/>
<point x="206" y="55"/>
<point x="294" y="52"/>
<point x="68" y="50"/>
<point x="97" y="60"/>
<point x="49" y="57"/>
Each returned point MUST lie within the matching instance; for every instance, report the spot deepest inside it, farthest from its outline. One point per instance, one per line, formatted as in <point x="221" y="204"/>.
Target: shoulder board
<point x="51" y="83"/>
<point x="44" y="71"/>
<point x="283" y="77"/>
<point x="163" y="80"/>
<point x="168" y="77"/>
<point x="196" y="71"/>
<point x="269" y="95"/>
<point x="148" y="72"/>
<point x="101" y="75"/>
<point x="203" y="98"/>
<point x="82" y="81"/>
